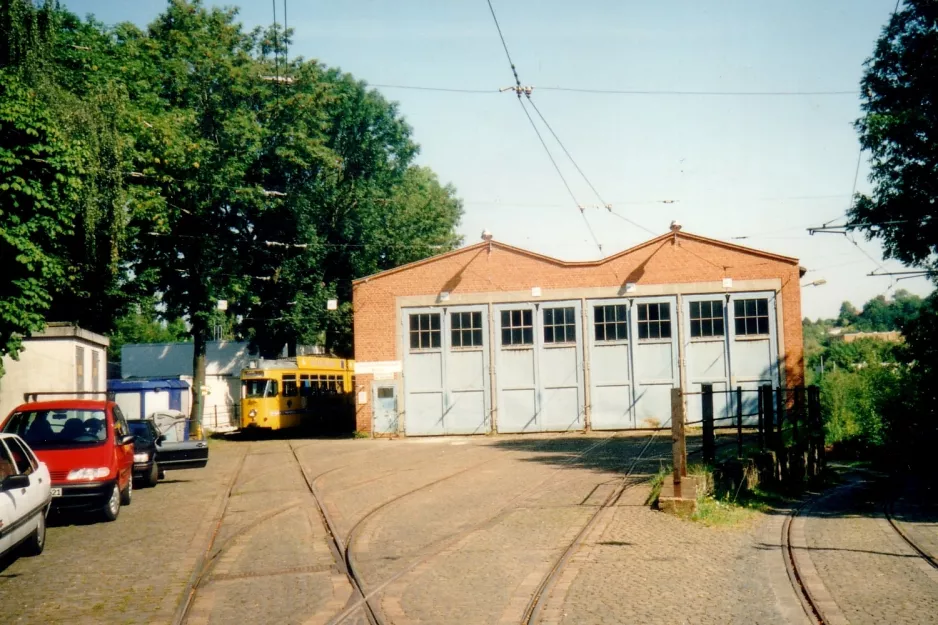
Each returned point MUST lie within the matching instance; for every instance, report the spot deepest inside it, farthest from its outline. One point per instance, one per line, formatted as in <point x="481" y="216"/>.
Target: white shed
<point x="61" y="359"/>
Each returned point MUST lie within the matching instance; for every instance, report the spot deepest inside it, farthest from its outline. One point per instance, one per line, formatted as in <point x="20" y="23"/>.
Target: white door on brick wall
<point x="610" y="365"/>
<point x="446" y="370"/>
<point x="539" y="373"/>
<point x="654" y="330"/>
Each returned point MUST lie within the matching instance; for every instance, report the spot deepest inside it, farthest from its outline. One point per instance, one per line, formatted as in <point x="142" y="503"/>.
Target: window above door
<point x="706" y="319"/>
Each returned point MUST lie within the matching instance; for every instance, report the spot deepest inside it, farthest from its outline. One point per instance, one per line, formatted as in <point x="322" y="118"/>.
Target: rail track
<point x="363" y="601"/>
<point x="888" y="509"/>
<point x="813" y="607"/>
<point x="538" y="601"/>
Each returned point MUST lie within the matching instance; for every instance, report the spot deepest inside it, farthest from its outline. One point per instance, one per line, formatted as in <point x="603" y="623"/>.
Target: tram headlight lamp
<point x="252" y="414"/>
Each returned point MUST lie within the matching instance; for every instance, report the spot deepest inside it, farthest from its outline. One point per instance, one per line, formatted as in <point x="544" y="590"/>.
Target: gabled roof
<point x="582" y="263"/>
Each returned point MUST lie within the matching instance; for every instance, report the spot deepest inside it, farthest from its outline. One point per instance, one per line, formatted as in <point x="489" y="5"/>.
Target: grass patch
<point x="655" y="484"/>
<point x="360" y="434"/>
<point x="718" y="506"/>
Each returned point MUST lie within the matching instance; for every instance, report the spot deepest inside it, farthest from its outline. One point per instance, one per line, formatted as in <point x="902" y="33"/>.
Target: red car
<point x="88" y="448"/>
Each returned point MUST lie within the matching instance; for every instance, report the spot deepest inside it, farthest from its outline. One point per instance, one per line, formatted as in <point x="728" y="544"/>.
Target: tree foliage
<point x="191" y="162"/>
<point x="900" y="130"/>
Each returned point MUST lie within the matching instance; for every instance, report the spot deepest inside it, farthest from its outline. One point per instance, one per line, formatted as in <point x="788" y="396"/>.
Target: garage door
<point x="539" y="367"/>
<point x="730" y="342"/>
<point x="446" y="370"/>
<point x="655" y="358"/>
<point x="610" y="365"/>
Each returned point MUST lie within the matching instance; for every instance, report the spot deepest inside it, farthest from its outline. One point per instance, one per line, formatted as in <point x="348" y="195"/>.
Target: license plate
<point x="56" y="492"/>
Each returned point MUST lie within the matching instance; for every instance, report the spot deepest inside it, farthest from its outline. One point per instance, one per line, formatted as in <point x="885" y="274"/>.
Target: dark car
<point x="153" y="454"/>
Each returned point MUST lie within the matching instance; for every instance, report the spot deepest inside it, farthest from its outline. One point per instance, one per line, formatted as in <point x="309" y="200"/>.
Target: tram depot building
<point x="492" y="338"/>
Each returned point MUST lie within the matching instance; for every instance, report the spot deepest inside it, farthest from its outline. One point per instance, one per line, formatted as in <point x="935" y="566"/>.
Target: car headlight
<point x="142" y="457"/>
<point x="87" y="474"/>
<point x="252" y="414"/>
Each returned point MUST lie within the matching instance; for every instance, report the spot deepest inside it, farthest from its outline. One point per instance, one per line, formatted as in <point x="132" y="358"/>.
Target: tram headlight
<point x="252" y="414"/>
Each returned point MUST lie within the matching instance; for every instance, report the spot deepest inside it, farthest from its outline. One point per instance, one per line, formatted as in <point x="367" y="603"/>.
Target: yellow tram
<point x="306" y="391"/>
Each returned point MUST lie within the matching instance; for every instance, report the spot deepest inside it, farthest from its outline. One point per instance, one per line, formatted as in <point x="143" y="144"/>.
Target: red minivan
<point x="88" y="448"/>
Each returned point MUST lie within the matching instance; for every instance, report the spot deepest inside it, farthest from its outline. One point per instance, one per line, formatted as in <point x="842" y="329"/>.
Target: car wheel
<point x="37" y="540"/>
<point x="152" y="476"/>
<point x="128" y="493"/>
<point x="113" y="506"/>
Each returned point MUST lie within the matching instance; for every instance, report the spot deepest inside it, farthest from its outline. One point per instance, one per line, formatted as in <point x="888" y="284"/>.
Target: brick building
<point x="495" y="338"/>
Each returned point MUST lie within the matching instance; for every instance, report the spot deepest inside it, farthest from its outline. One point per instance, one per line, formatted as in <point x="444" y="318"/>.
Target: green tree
<point x="899" y="128"/>
<point x="143" y="325"/>
<point x="848" y="315"/>
<point x="199" y="150"/>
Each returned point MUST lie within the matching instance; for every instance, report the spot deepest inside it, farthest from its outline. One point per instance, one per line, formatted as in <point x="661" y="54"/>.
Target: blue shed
<point x="138" y="398"/>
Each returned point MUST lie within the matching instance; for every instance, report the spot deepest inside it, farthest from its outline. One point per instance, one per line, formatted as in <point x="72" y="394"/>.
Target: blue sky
<point x="763" y="167"/>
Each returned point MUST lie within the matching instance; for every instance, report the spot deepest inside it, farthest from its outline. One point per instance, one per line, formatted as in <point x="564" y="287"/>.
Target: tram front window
<point x="260" y="388"/>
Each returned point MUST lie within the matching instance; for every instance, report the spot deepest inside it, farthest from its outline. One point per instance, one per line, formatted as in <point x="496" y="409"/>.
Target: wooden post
<point x="798" y="415"/>
<point x="709" y="444"/>
<point x="760" y="396"/>
<point x="678" y="447"/>
<point x="779" y="420"/>
<point x="739" y="422"/>
<point x="768" y="405"/>
<point x="816" y="429"/>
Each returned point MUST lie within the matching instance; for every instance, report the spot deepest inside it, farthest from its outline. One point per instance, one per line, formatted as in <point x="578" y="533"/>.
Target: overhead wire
<point x="602" y="201"/>
<point x="639" y="92"/>
<point x="518" y="90"/>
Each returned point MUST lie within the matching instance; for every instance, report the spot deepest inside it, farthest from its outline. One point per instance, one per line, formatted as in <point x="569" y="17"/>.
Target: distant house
<point x="61" y="359"/>
<point x="891" y="337"/>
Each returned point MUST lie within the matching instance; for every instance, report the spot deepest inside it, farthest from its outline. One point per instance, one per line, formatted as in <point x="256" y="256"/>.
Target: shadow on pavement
<point x="640" y="453"/>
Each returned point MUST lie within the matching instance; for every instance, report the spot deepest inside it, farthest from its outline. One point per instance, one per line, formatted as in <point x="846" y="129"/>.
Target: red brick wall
<point x="492" y="269"/>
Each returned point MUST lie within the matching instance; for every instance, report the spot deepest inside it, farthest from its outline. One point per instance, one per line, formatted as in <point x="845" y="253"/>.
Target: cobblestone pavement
<point x="450" y="531"/>
<point x="130" y="571"/>
<point x="869" y="573"/>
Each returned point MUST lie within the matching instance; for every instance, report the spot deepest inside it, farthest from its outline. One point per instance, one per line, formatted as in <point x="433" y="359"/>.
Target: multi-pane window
<point x="425" y="331"/>
<point x="290" y="388"/>
<point x="466" y="329"/>
<point x="517" y="327"/>
<point x="560" y="325"/>
<point x="611" y="322"/>
<point x="654" y="321"/>
<point x="752" y="316"/>
<point x="706" y="319"/>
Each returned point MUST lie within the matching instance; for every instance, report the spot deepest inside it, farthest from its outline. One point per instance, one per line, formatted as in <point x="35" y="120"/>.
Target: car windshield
<point x="141" y="429"/>
<point x="58" y="428"/>
<point x="260" y="388"/>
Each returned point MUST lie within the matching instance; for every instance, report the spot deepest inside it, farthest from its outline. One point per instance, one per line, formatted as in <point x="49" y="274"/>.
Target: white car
<point x="25" y="495"/>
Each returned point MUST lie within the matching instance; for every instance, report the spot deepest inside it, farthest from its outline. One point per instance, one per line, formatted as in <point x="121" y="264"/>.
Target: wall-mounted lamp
<point x="818" y="282"/>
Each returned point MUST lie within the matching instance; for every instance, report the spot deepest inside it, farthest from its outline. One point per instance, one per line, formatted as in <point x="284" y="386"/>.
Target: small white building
<point x="224" y="361"/>
<point x="60" y="359"/>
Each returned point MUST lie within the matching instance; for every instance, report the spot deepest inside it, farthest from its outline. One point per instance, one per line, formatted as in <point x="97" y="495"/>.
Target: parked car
<point x="154" y="454"/>
<point x="88" y="448"/>
<point x="25" y="493"/>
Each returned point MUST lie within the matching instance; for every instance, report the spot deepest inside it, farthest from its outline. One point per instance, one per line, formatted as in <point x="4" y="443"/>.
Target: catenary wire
<point x="537" y="131"/>
<point x="639" y="92"/>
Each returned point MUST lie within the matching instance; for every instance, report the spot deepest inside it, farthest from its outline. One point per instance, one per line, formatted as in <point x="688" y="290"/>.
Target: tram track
<point x="539" y="598"/>
<point x="343" y="546"/>
<point x="814" y="597"/>
<point x="888" y="512"/>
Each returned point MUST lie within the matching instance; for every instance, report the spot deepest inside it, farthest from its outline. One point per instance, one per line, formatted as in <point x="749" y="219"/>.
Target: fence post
<point x="709" y="445"/>
<point x="739" y="422"/>
<point x="779" y="420"/>
<point x="760" y="396"/>
<point x="798" y="414"/>
<point x="817" y="428"/>
<point x="768" y="405"/>
<point x="678" y="448"/>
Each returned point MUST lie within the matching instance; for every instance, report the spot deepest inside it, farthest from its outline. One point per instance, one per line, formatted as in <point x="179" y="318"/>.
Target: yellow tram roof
<point x="303" y="363"/>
